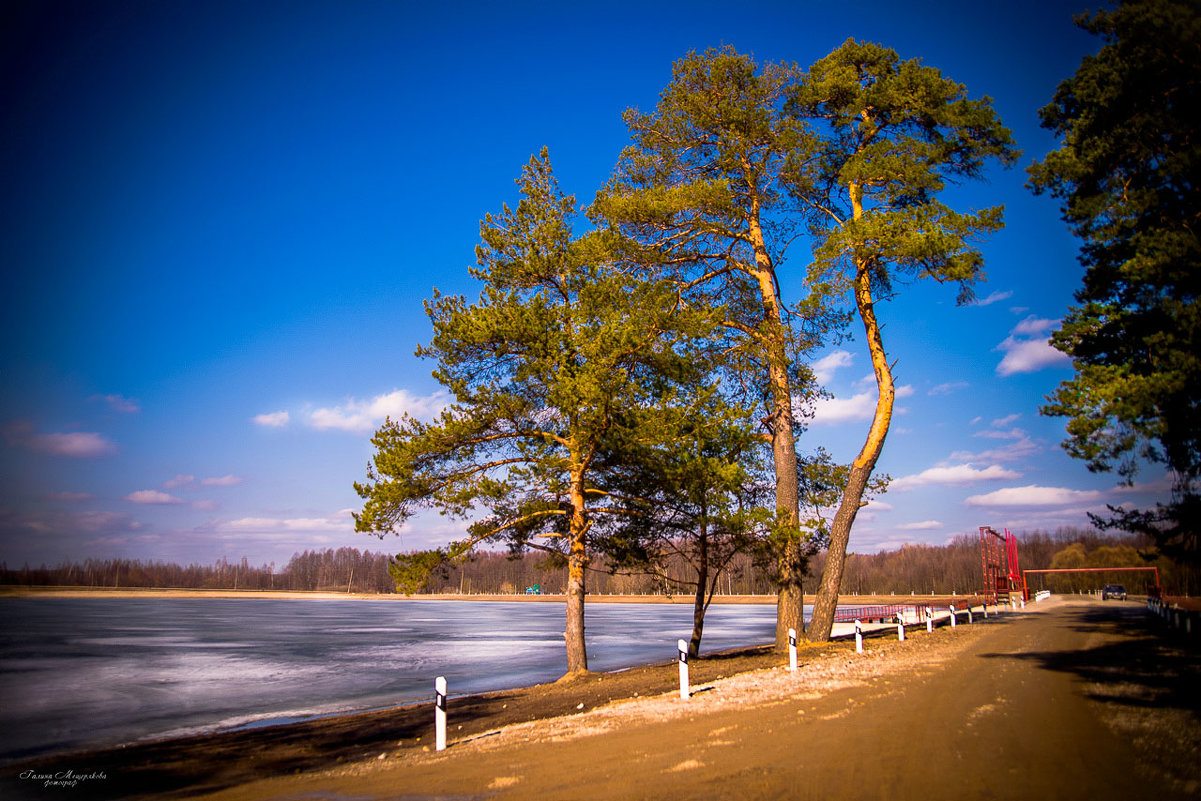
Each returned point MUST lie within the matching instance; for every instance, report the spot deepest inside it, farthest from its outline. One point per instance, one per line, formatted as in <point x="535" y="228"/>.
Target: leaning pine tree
<point x="891" y="134"/>
<point x="542" y="370"/>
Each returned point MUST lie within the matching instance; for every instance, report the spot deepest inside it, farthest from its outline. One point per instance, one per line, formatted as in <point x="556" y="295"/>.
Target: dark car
<point x="1113" y="591"/>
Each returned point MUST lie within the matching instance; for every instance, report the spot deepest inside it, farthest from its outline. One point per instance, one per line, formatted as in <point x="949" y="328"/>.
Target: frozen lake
<point x="80" y="673"/>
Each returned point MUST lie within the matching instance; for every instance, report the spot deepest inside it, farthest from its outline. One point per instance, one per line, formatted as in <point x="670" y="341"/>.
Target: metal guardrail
<point x="910" y="613"/>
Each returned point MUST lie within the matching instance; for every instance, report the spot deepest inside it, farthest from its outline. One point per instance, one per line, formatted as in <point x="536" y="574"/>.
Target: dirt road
<point x="1072" y="700"/>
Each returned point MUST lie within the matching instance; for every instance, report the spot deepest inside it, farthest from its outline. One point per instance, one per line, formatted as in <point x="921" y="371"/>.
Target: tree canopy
<point x="699" y="198"/>
<point x="1126" y="172"/>
<point x="544" y="371"/>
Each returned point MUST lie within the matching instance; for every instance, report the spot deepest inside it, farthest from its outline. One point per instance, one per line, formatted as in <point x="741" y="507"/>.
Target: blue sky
<point x="219" y="220"/>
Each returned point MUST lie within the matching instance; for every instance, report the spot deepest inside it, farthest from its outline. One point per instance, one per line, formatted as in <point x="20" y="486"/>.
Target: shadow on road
<point x="1156" y="666"/>
<point x="1143" y="677"/>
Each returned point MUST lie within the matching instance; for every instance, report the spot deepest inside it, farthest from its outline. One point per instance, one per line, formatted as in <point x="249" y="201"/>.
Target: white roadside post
<point x="858" y="638"/>
<point x="986" y="610"/>
<point x="953" y="621"/>
<point x="683" y="649"/>
<point x="900" y="627"/>
<point x="792" y="650"/>
<point x="969" y="614"/>
<point x="440" y="713"/>
<point x="929" y="619"/>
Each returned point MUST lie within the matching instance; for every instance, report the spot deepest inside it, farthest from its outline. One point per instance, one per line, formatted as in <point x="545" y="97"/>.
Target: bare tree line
<point x="912" y="569"/>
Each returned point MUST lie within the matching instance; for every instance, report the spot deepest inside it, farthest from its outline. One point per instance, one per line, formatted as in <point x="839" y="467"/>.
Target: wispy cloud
<point x="153" y="498"/>
<point x="180" y="480"/>
<point x="272" y="419"/>
<point x="948" y="388"/>
<point x="361" y="416"/>
<point x="1021" y="448"/>
<point x="952" y="476"/>
<point x="995" y="297"/>
<point x="119" y="403"/>
<point x="221" y="481"/>
<point x="71" y="497"/>
<point x="1028" y="349"/>
<point x="925" y="525"/>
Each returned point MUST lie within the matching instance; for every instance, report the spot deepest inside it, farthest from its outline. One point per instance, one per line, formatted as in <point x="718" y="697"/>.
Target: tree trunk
<point x="861" y="469"/>
<point x="699" y="604"/>
<point x="577" y="562"/>
<point x="789" y="601"/>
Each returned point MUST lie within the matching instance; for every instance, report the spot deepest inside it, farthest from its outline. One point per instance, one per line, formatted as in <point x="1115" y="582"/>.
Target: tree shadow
<point x="1141" y="665"/>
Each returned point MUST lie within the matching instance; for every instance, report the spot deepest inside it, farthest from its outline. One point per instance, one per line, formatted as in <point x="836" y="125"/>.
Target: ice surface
<point x="86" y="672"/>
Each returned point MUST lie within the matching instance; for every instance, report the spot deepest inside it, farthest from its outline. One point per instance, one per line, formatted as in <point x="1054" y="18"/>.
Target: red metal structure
<point x="999" y="563"/>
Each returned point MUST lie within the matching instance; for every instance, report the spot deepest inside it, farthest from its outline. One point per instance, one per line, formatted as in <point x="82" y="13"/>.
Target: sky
<point x="219" y="221"/>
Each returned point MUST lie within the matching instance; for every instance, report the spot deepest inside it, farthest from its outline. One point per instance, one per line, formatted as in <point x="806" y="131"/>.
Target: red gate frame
<point x="1000" y="579"/>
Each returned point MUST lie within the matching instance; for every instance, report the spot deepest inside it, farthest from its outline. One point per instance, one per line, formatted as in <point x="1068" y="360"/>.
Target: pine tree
<point x="543" y="370"/>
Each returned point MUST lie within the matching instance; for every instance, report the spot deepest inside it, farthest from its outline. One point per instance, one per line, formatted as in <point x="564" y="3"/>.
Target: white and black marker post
<point x="953" y="621"/>
<point x="929" y="619"/>
<point x="792" y="650"/>
<point x="683" y="648"/>
<point x="900" y="628"/>
<point x="440" y="713"/>
<point x="858" y="637"/>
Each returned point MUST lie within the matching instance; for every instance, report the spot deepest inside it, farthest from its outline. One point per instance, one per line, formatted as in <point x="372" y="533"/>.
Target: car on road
<point x="1113" y="591"/>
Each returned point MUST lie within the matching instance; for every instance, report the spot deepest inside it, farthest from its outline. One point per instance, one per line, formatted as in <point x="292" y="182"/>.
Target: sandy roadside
<point x="1033" y="705"/>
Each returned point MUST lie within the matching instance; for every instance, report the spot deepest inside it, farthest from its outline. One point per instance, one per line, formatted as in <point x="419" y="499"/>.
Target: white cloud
<point x="1034" y="495"/>
<point x="180" y="480"/>
<point x="995" y="297"/>
<point x="1028" y="349"/>
<point x="925" y="525"/>
<point x="272" y="419"/>
<point x="221" y="481"/>
<point x="954" y="475"/>
<point x="359" y="416"/>
<point x="152" y="498"/>
<point x="1001" y="422"/>
<point x="119" y="403"/>
<point x="205" y="505"/>
<point x="825" y="367"/>
<point x="829" y="411"/>
<point x="296" y="524"/>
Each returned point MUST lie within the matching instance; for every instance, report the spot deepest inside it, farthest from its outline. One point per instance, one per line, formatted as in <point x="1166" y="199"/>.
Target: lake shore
<point x="148" y="592"/>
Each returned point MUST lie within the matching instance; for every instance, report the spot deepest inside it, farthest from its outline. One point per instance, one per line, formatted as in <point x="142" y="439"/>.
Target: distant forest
<point x="920" y="569"/>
